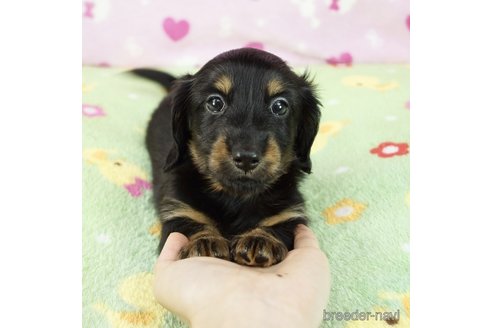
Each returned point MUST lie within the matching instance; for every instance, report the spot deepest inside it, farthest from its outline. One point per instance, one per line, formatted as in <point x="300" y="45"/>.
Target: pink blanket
<point x="190" y="32"/>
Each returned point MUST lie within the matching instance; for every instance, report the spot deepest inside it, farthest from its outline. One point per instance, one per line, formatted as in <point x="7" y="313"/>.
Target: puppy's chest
<point x="235" y="217"/>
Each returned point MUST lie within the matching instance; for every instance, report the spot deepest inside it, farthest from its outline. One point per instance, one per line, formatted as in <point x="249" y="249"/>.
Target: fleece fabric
<point x="357" y="197"/>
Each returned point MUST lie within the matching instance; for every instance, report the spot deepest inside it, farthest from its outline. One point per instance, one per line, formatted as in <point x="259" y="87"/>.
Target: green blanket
<point x="357" y="196"/>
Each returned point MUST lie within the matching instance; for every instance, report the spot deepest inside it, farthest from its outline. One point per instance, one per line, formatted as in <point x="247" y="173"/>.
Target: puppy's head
<point x="245" y="118"/>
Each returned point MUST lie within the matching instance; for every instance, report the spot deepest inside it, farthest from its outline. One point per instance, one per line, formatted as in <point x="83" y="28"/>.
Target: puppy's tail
<point x="164" y="79"/>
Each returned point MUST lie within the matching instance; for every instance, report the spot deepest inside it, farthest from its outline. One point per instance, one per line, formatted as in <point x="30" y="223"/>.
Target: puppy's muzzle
<point x="246" y="160"/>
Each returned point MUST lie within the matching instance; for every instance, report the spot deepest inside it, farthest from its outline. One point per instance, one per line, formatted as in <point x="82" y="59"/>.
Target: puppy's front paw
<point x="206" y="244"/>
<point x="257" y="248"/>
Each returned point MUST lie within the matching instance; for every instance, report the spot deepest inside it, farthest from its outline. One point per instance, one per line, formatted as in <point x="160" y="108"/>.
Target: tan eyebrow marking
<point x="223" y="84"/>
<point x="274" y="87"/>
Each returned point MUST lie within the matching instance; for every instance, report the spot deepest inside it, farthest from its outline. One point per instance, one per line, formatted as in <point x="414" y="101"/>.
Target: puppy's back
<point x="159" y="141"/>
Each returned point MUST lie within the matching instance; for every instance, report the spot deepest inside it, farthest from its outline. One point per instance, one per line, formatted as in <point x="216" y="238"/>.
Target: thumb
<point x="165" y="289"/>
<point x="171" y="248"/>
<point x="304" y="237"/>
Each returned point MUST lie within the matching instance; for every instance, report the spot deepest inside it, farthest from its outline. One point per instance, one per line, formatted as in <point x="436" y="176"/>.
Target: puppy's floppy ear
<point x="179" y="116"/>
<point x="308" y="124"/>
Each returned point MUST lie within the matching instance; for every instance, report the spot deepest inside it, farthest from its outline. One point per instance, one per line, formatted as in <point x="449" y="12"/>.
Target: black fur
<point x="243" y="199"/>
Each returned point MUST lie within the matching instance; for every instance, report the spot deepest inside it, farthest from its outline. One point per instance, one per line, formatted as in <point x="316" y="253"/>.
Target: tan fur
<point x="198" y="159"/>
<point x="274" y="162"/>
<point x="223" y="84"/>
<point x="247" y="250"/>
<point x="274" y="87"/>
<point x="194" y="215"/>
<point x="218" y="154"/>
<point x="180" y="209"/>
<point x="286" y="215"/>
<point x="272" y="156"/>
<point x="207" y="242"/>
<point x="216" y="186"/>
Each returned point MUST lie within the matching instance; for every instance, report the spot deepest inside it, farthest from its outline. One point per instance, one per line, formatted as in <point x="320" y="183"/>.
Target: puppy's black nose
<point x="246" y="160"/>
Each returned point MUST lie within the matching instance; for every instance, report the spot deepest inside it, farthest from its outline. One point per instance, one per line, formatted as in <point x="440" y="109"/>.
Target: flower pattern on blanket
<point x="368" y="82"/>
<point x="120" y="172"/>
<point x="136" y="290"/>
<point x="326" y="130"/>
<point x="344" y="211"/>
<point x="156" y="228"/>
<point x="86" y="88"/>
<point x="356" y="197"/>
<point x="92" y="110"/>
<point x="390" y="149"/>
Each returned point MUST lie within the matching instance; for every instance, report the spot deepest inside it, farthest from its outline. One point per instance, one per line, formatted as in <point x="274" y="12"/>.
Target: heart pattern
<point x="344" y="59"/>
<point x="256" y="45"/>
<point x="176" y="30"/>
<point x="172" y="33"/>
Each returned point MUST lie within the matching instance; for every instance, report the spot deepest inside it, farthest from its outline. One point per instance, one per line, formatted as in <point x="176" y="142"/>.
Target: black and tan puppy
<point x="229" y="146"/>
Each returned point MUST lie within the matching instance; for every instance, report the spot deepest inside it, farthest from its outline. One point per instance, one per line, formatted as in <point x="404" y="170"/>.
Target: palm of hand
<point x="209" y="292"/>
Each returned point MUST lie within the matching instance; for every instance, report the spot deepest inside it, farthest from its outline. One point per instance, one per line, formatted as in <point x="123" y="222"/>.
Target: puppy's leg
<point x="257" y="247"/>
<point x="205" y="239"/>
<point x="269" y="243"/>
<point x="207" y="242"/>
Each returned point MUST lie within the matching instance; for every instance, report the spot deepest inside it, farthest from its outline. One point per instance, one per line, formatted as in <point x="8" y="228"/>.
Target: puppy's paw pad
<point x="208" y="245"/>
<point x="257" y="248"/>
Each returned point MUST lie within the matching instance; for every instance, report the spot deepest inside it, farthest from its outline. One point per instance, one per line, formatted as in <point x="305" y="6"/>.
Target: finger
<point x="304" y="237"/>
<point x="171" y="248"/>
<point x="164" y="286"/>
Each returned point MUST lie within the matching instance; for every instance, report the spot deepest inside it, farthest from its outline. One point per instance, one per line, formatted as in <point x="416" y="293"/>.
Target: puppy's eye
<point x="215" y="104"/>
<point x="279" y="107"/>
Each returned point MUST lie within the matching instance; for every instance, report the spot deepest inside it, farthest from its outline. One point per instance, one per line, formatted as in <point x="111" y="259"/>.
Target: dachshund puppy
<point x="228" y="147"/>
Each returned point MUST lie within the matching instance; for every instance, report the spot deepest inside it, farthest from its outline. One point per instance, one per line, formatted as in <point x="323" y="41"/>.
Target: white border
<point x="40" y="175"/>
<point x="451" y="124"/>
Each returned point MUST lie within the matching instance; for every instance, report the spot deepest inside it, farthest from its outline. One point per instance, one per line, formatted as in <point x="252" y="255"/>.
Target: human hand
<point x="209" y="292"/>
